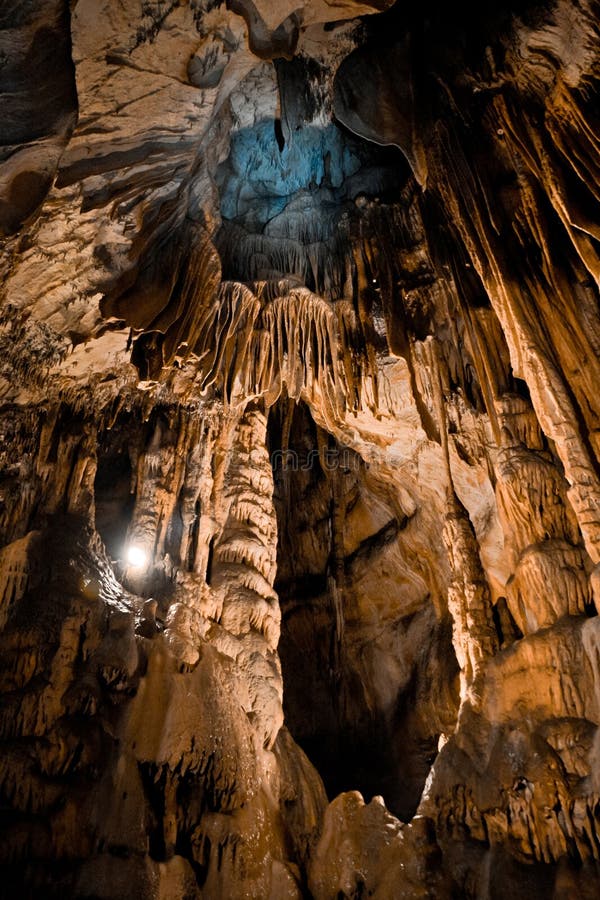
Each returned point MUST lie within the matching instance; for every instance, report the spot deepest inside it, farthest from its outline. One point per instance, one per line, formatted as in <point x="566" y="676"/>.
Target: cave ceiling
<point x="299" y="449"/>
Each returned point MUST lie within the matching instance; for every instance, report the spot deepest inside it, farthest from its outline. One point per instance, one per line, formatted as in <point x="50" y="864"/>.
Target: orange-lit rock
<point x="299" y="449"/>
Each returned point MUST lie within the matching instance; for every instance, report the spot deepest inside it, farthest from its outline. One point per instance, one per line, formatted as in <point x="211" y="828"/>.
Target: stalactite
<point x="473" y="632"/>
<point x="474" y="635"/>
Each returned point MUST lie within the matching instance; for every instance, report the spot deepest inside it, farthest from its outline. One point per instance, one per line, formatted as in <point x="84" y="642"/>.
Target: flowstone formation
<point x="300" y="456"/>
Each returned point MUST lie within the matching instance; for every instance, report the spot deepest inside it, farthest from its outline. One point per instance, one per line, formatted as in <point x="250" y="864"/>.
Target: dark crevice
<point x="113" y="496"/>
<point x="330" y="703"/>
<point x="279" y="134"/>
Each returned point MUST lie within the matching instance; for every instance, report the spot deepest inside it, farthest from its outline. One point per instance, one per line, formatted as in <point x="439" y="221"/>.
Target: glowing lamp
<point x="136" y="557"/>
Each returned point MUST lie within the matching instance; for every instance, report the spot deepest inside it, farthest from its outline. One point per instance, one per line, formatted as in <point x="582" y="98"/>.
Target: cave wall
<point x="301" y="303"/>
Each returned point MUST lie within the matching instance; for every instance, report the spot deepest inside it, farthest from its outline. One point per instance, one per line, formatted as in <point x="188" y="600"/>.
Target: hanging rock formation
<point x="300" y="449"/>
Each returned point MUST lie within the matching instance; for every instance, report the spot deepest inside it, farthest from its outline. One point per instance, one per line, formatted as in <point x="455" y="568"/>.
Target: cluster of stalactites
<point x="549" y="313"/>
<point x="256" y="343"/>
<point x="313" y="258"/>
<point x="258" y="339"/>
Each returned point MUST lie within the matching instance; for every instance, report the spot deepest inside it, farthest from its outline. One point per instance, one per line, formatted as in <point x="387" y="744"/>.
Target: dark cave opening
<point x="356" y="739"/>
<point x="279" y="136"/>
<point x="114" y="500"/>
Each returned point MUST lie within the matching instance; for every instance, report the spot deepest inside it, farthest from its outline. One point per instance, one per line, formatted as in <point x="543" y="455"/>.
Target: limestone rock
<point x="299" y="449"/>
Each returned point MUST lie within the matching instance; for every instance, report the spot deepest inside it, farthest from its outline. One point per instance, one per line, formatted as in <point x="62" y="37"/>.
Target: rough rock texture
<point x="300" y="449"/>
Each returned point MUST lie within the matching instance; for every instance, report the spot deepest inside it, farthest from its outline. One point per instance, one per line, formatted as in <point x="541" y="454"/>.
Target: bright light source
<point x="136" y="557"/>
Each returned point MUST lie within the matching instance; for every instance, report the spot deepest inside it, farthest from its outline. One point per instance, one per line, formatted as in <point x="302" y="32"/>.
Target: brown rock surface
<point x="299" y="449"/>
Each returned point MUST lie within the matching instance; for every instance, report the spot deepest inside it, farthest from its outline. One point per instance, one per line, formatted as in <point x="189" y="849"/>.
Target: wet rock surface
<point x="299" y="456"/>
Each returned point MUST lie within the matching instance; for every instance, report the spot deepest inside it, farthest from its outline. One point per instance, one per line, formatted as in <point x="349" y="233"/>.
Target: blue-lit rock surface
<point x="259" y="179"/>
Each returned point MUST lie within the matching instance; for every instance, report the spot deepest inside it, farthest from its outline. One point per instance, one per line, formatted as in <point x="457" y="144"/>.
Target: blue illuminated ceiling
<point x="259" y="179"/>
<point x="289" y="185"/>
